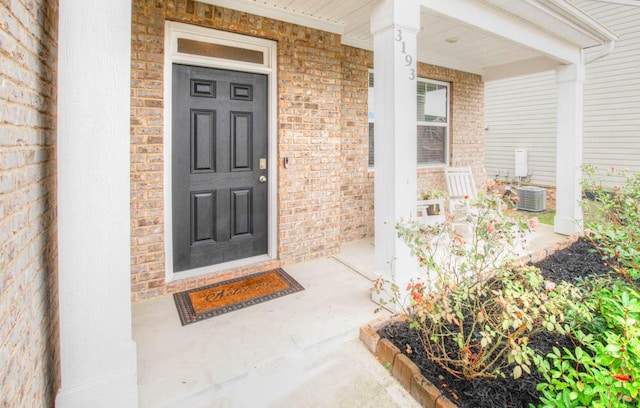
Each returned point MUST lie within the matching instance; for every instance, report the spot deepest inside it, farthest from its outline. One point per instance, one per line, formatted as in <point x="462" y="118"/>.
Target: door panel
<point x="219" y="135"/>
<point x="241" y="212"/>
<point x="241" y="141"/>
<point x="203" y="141"/>
<point x="203" y="215"/>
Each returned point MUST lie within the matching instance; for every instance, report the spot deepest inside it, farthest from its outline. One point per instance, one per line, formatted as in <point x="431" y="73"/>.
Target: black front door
<point x="219" y="160"/>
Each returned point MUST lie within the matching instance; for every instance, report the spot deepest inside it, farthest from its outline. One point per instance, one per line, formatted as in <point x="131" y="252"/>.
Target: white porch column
<point x="98" y="355"/>
<point x="394" y="25"/>
<point x="570" y="79"/>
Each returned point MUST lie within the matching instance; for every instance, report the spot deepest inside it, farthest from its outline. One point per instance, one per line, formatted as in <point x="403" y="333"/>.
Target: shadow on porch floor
<point x="299" y="350"/>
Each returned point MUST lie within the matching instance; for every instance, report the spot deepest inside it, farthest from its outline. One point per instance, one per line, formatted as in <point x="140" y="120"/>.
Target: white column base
<point x="115" y="389"/>
<point x="566" y="225"/>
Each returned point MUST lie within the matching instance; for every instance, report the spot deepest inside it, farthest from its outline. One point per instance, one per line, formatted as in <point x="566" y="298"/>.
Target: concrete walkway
<point x="300" y="350"/>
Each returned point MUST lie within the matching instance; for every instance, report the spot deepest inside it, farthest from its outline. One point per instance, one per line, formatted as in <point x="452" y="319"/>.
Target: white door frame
<point x="173" y="31"/>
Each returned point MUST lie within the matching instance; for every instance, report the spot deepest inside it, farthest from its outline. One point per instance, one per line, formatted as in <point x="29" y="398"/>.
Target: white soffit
<point x="331" y="15"/>
<point x="556" y="24"/>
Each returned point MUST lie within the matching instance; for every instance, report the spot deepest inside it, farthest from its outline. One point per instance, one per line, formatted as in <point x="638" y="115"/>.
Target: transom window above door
<point x="204" y="46"/>
<point x="433" y="121"/>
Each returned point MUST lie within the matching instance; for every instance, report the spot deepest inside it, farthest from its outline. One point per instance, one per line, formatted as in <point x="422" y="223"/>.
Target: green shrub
<point x="605" y="370"/>
<point x="616" y="229"/>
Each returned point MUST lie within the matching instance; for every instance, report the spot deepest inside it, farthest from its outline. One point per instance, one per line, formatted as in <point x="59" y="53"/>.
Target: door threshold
<point x="210" y="269"/>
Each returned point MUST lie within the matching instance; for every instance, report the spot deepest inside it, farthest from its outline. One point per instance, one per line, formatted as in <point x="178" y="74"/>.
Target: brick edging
<point x="401" y="367"/>
<point x="544" y="253"/>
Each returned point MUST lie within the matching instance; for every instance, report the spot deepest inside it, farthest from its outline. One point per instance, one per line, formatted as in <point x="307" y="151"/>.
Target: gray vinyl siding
<point x="521" y="112"/>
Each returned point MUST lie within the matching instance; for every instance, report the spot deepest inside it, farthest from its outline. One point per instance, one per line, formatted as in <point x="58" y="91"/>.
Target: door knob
<point x="263" y="179"/>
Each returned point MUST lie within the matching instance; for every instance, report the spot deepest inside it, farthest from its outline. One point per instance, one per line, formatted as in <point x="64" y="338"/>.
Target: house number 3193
<point x="408" y="58"/>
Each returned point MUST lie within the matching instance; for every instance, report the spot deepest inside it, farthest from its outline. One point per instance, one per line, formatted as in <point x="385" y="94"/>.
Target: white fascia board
<point x="635" y="3"/>
<point x="276" y="13"/>
<point x="496" y="22"/>
<point x="577" y="19"/>
<point x="519" y="68"/>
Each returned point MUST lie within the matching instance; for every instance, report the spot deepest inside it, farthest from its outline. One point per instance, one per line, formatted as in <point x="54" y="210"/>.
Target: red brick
<point x="403" y="370"/>
<point x="424" y="391"/>
<point x="369" y="337"/>
<point x="386" y="352"/>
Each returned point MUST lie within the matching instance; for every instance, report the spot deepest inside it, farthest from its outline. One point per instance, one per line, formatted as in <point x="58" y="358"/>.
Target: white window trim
<point x="173" y="31"/>
<point x="447" y="125"/>
<point x="369" y="119"/>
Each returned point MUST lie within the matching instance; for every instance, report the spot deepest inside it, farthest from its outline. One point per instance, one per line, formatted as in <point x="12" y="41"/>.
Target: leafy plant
<point x="604" y="371"/>
<point x="616" y="232"/>
<point x="473" y="315"/>
<point x="433" y="194"/>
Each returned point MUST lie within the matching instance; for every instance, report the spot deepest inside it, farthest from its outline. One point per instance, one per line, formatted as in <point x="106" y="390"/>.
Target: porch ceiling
<point x="447" y="38"/>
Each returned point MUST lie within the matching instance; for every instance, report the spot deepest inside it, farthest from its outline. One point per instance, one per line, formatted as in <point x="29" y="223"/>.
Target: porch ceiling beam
<point x="524" y="67"/>
<point x="288" y="16"/>
<point x="501" y="24"/>
<point x="356" y="42"/>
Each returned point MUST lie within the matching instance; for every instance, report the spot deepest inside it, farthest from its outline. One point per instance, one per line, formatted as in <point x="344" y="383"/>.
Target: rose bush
<point x="474" y="315"/>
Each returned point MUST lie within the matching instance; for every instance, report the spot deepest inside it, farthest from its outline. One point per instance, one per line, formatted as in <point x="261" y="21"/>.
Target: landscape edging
<point x="405" y="371"/>
<point x="542" y="254"/>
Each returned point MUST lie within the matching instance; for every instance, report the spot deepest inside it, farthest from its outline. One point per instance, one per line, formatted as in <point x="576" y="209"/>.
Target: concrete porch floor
<point x="300" y="350"/>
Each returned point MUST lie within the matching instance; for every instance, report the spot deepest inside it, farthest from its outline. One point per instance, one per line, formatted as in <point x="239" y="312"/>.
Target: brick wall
<point x="29" y="337"/>
<point x="356" y="216"/>
<point x="325" y="196"/>
<point x="309" y="92"/>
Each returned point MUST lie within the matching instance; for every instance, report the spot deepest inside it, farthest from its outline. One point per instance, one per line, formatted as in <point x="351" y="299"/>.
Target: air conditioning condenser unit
<point x="531" y="198"/>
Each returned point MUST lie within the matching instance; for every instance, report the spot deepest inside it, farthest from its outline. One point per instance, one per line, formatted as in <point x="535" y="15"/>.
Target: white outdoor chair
<point x="431" y="219"/>
<point x="462" y="190"/>
<point x="460" y="184"/>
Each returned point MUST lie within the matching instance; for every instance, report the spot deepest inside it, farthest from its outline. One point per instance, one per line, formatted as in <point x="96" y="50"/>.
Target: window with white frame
<point x="433" y="121"/>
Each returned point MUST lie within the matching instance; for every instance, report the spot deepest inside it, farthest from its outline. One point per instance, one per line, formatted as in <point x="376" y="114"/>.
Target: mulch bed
<point x="577" y="261"/>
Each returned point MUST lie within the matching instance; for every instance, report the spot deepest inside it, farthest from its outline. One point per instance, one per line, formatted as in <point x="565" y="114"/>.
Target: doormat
<point x="223" y="297"/>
